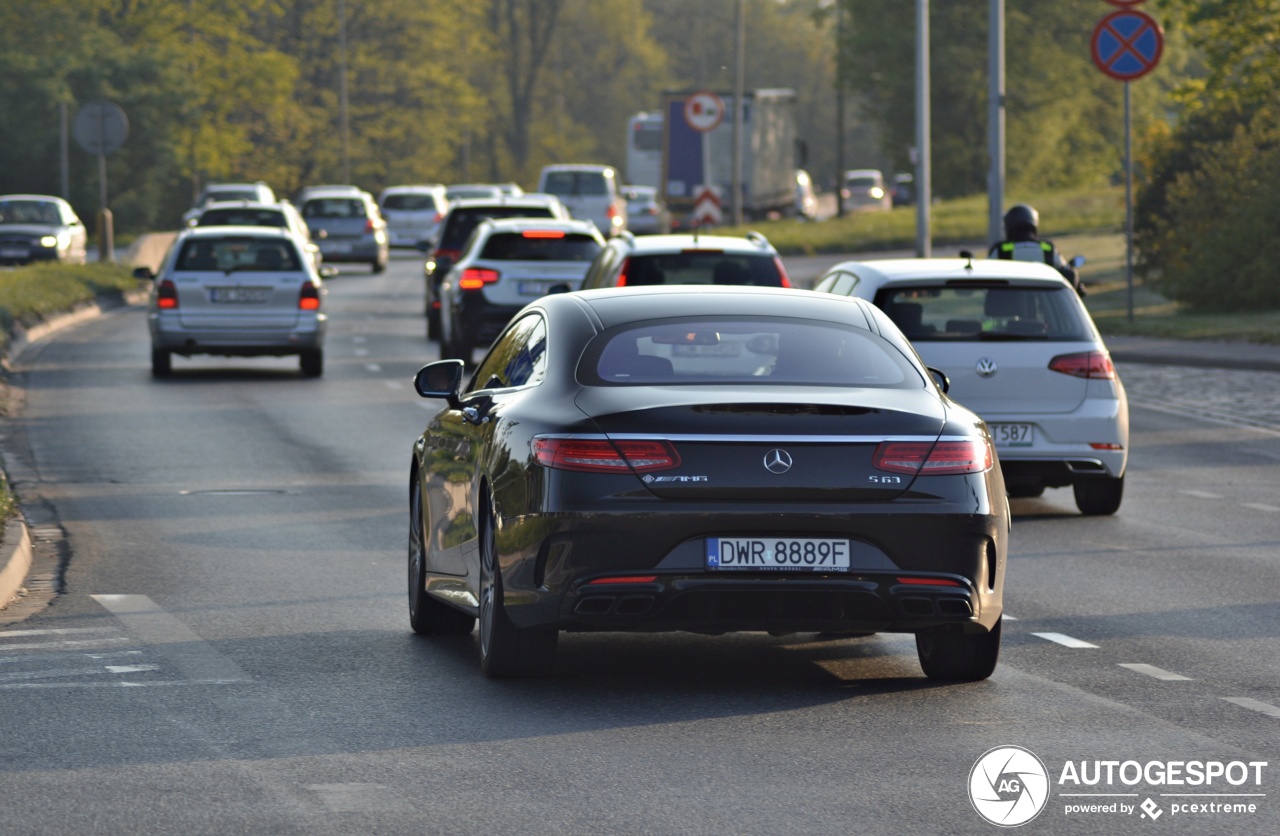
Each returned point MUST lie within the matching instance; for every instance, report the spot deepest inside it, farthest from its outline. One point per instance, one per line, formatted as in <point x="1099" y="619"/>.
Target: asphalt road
<point x="231" y="652"/>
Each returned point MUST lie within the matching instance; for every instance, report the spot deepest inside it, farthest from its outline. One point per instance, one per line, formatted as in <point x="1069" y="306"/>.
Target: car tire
<point x="312" y="362"/>
<point x="433" y="323"/>
<point x="1024" y="491"/>
<point x="950" y="654"/>
<point x="161" y="362"/>
<point x="506" y="651"/>
<point x="427" y="615"/>
<point x="1099" y="496"/>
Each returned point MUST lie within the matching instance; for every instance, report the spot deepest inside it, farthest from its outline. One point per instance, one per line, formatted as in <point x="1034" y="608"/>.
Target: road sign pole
<point x="1128" y="197"/>
<point x="924" y="187"/>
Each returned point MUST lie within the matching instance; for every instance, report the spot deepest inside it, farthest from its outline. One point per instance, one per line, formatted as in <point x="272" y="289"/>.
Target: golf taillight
<point x="782" y="272"/>
<point x="167" y="295"/>
<point x="1089" y="364"/>
<point x="605" y="456"/>
<point x="622" y="274"/>
<point x="309" y="297"/>
<point x="933" y="459"/>
<point x="474" y="278"/>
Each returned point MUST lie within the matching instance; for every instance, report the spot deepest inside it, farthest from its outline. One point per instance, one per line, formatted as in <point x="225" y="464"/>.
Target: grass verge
<point x="32" y="293"/>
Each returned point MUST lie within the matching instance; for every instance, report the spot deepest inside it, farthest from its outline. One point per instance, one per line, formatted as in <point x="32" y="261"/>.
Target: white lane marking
<point x="358" y="339"/>
<point x="1153" y="671"/>
<point x="67" y="686"/>
<point x="1202" y="494"/>
<point x="192" y="655"/>
<point x="357" y="798"/>
<point x="373" y="367"/>
<point x="393" y="384"/>
<point x="131" y="668"/>
<point x="1255" y="705"/>
<point x="18" y="676"/>
<point x="1064" y="640"/>
<point x="1259" y="506"/>
<point x="64" y="645"/>
<point x="57" y="631"/>
<point x="1008" y="617"/>
<point x="361" y="352"/>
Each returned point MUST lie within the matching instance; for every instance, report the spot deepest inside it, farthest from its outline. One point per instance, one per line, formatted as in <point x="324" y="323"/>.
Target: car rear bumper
<point x="569" y="579"/>
<point x="167" y="335"/>
<point x="1091" y="441"/>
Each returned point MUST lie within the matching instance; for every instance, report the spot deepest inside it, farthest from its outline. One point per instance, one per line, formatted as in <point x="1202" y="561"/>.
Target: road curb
<point x="15" y="559"/>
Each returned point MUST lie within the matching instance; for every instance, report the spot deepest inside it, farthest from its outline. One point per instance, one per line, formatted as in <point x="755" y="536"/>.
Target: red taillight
<point x="1091" y="364"/>
<point x="622" y="274"/>
<point x="368" y="226"/>
<point x="474" y="278"/>
<point x="625" y="579"/>
<point x="929" y="581"/>
<point x="782" y="272"/>
<point x="542" y="233"/>
<point x="439" y="217"/>
<point x="309" y="297"/>
<point x="452" y="255"/>
<point x="928" y="459"/>
<point x="167" y="295"/>
<point x="604" y="456"/>
<point x="611" y="212"/>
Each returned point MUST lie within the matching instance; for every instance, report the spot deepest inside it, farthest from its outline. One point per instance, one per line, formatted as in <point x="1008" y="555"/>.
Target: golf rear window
<point x="977" y="312"/>
<point x="242" y="217"/>
<point x="537" y="246"/>
<point x="703" y="267"/>
<point x="229" y="254"/>
<point x="751" y="351"/>
<point x="410" y="202"/>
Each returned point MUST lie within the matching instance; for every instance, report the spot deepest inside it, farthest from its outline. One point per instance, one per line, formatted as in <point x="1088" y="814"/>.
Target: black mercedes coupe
<point x="704" y="459"/>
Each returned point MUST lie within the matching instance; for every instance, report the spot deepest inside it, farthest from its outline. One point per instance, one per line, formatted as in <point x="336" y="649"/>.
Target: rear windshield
<point x="575" y="183"/>
<point x="747" y="351"/>
<point x="410" y="202"/>
<point x="227" y="254"/>
<point x="241" y="217"/>
<point x="974" y="312"/>
<point x="535" y="246"/>
<point x="462" y="222"/>
<point x="333" y="207"/>
<point x="863" y="182"/>
<point x="703" y="267"/>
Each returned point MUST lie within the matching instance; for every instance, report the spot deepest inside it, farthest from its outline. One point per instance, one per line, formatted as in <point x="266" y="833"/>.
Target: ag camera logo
<point x="1008" y="786"/>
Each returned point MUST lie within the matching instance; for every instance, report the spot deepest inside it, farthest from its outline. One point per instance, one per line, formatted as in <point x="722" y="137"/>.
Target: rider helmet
<point x="1021" y="221"/>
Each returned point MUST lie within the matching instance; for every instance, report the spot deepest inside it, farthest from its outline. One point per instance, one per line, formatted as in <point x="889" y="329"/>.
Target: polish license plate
<point x="533" y="288"/>
<point x="334" y="247"/>
<point x="15" y="252"/>
<point x="249" y="295"/>
<point x="1013" y="435"/>
<point x="777" y="554"/>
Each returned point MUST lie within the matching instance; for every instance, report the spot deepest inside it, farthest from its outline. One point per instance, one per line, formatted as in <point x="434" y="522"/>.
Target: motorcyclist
<point x="1021" y="224"/>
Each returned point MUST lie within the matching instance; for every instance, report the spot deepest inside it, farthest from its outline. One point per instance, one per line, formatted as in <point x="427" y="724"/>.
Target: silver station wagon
<point x="236" y="291"/>
<point x="1021" y="350"/>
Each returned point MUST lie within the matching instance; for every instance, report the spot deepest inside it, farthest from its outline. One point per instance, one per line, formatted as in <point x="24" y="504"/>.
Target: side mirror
<point x="1077" y="262"/>
<point x="441" y="379"/>
<point x="144" y="273"/>
<point x="943" y="382"/>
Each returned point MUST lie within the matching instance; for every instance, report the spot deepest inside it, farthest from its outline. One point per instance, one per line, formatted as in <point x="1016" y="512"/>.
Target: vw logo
<point x="986" y="367"/>
<point x="777" y="461"/>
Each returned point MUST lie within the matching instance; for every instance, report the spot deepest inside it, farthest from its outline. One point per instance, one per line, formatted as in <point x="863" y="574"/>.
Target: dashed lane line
<point x="1153" y="671"/>
<point x="197" y="659"/>
<point x="1064" y="640"/>
<point x="1255" y="705"/>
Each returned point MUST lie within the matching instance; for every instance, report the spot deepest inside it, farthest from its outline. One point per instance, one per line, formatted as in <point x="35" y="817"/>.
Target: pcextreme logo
<point x="1009" y="786"/>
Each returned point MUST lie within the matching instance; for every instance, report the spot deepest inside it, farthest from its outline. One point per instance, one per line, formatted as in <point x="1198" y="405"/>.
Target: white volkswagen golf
<point x="1021" y="350"/>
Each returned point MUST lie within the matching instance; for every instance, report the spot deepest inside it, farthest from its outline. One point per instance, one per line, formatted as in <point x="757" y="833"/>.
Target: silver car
<point x="413" y="214"/>
<point x="38" y="227"/>
<point x="236" y="291"/>
<point x="1021" y="350"/>
<point x="348" y="227"/>
<point x="251" y="213"/>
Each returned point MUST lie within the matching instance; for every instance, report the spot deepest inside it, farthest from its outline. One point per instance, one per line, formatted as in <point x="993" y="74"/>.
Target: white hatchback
<point x="1019" y="349"/>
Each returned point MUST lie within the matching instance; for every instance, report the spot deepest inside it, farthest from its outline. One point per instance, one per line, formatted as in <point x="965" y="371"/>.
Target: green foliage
<point x="28" y="294"/>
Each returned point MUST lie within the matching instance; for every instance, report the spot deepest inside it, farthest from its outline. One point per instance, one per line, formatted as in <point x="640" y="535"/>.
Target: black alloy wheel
<point x="949" y="654"/>
<point x="427" y="616"/>
<point x="504" y="650"/>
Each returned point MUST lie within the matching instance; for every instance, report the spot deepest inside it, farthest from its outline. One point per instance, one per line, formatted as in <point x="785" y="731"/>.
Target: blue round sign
<point x="1127" y="44"/>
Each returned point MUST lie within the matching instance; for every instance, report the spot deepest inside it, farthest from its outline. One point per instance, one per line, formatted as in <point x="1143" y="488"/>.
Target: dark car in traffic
<point x="704" y="459"/>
